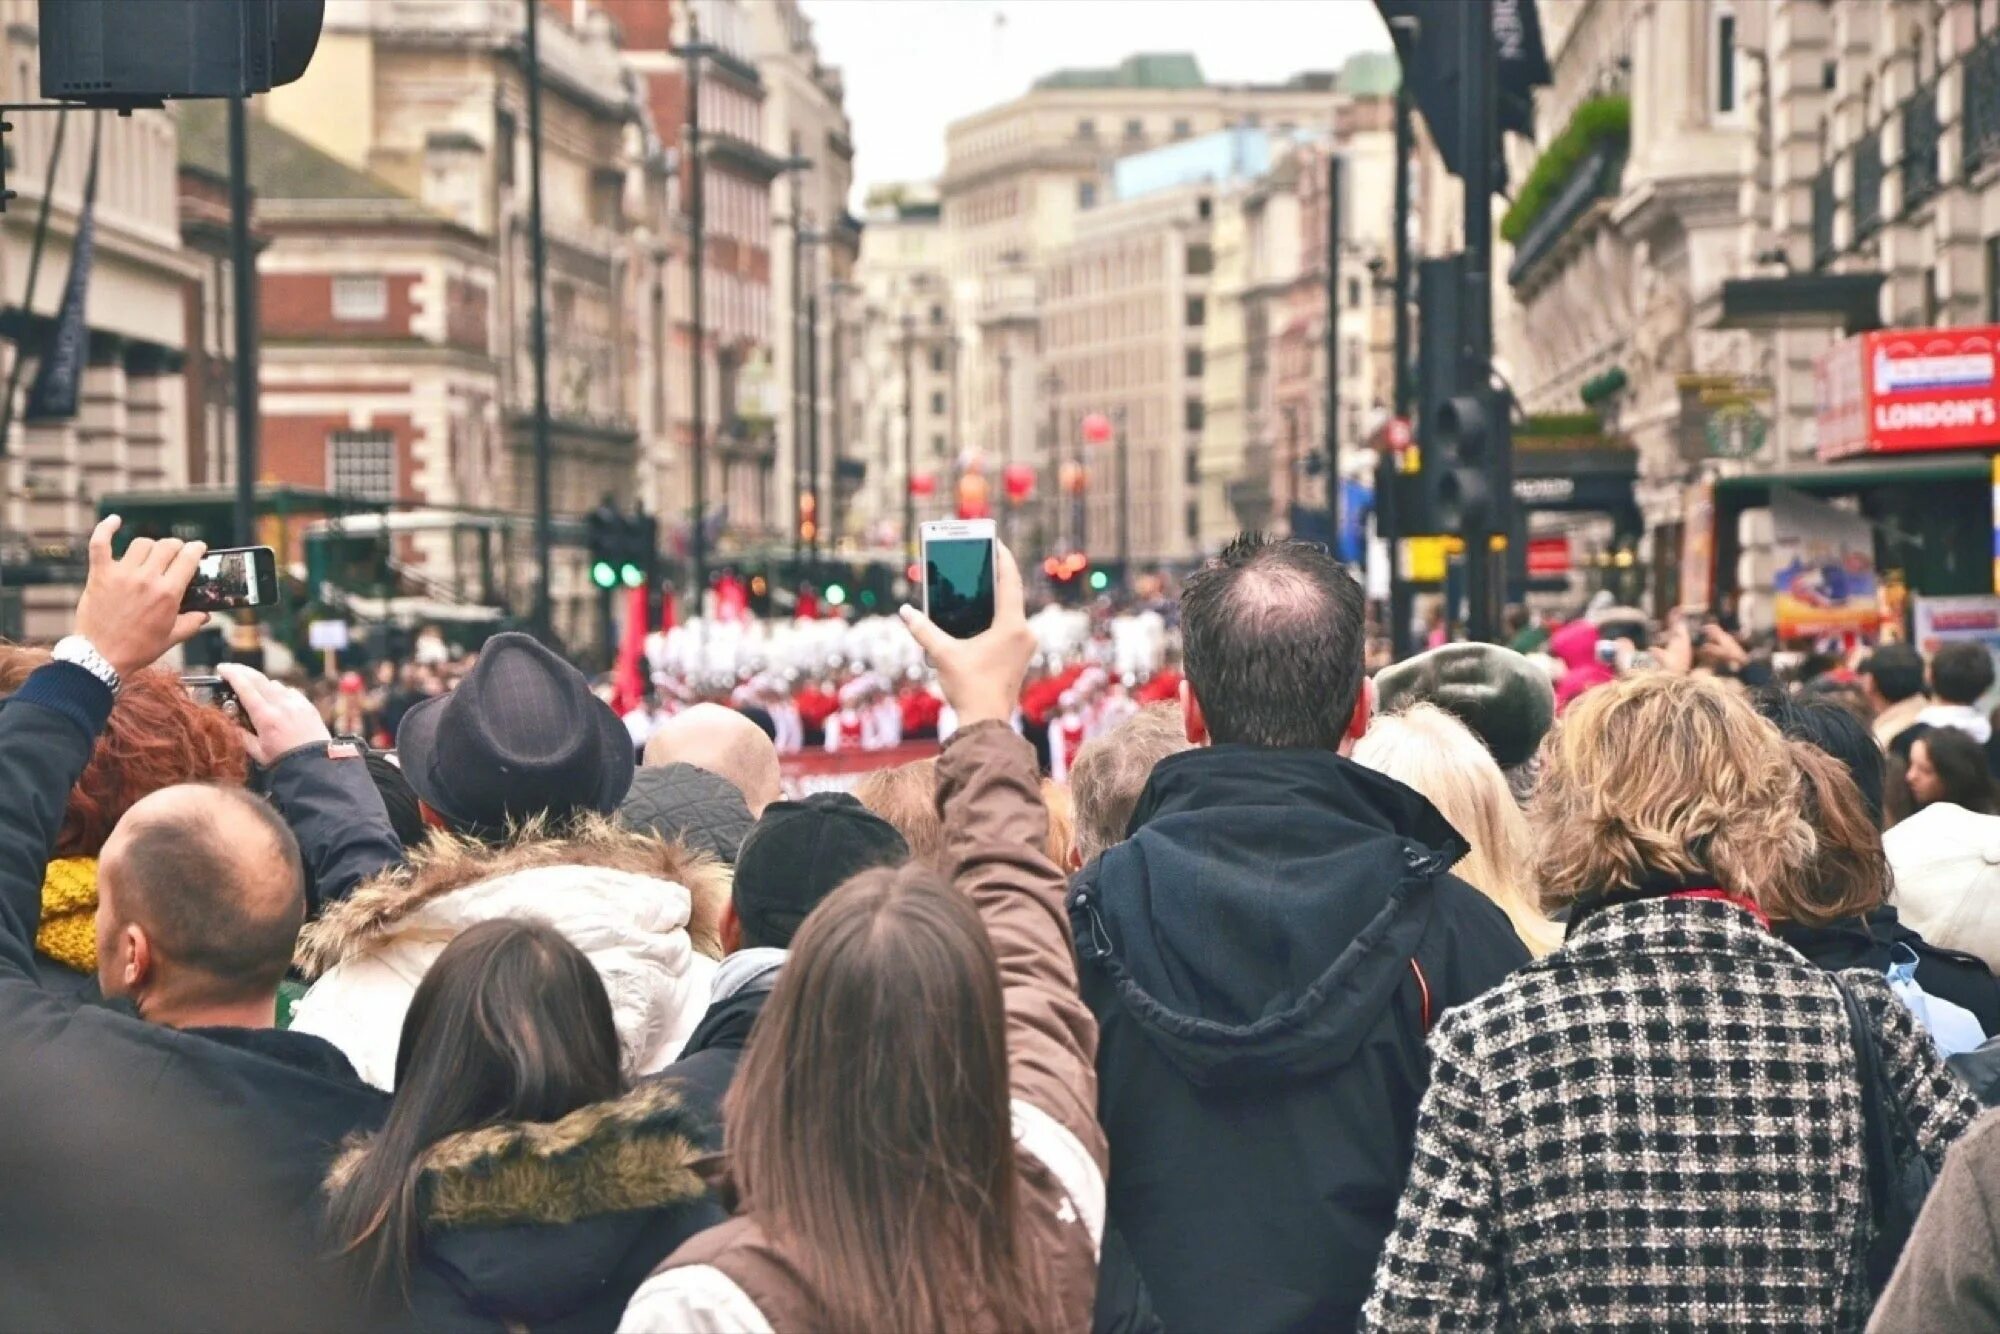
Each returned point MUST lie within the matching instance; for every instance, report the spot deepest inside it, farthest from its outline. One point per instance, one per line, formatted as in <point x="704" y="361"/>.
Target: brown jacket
<point x="736" y="1278"/>
<point x="1949" y="1277"/>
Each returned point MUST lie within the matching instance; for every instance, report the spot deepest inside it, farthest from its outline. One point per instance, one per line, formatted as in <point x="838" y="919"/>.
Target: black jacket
<point x="155" y="1178"/>
<point x="326" y="795"/>
<point x="550" y="1227"/>
<point x="1248" y="954"/>
<point x="1947" y="974"/>
<point x="707" y="1064"/>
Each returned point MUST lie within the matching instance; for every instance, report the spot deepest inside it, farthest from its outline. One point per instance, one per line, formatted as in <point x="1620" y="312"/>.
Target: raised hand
<point x="981" y="677"/>
<point x="284" y="718"/>
<point x="131" y="607"/>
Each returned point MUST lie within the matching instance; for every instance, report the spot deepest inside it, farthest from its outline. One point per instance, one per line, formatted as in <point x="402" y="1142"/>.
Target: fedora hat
<point x="521" y="736"/>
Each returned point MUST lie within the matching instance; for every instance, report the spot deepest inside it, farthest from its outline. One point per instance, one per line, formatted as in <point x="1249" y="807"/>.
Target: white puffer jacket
<point x="644" y="912"/>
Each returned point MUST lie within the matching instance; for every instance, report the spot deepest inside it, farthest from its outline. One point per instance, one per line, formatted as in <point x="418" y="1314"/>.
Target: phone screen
<point x="226" y="579"/>
<point x="958" y="584"/>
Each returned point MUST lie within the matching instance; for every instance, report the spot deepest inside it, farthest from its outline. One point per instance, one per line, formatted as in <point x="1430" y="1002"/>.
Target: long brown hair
<point x="869" y="1128"/>
<point x="1850" y="871"/>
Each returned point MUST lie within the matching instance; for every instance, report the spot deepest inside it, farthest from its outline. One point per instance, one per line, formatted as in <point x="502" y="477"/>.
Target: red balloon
<point x="1019" y="479"/>
<point x="923" y="484"/>
<point x="972" y="493"/>
<point x="1096" y="429"/>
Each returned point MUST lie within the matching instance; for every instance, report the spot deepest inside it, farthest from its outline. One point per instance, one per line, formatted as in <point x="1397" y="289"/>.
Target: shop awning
<point x="1848" y="301"/>
<point x="1838" y="478"/>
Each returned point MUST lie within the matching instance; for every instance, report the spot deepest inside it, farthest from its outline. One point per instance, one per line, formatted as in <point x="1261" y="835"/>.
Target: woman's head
<point x="1850" y="876"/>
<point x="906" y="796"/>
<point x="1831" y="726"/>
<point x="156" y="737"/>
<point x="1062" y="823"/>
<point x="1948" y="765"/>
<point x="511" y="1023"/>
<point x="870" y="1119"/>
<point x="1429" y="750"/>
<point x="1658" y="776"/>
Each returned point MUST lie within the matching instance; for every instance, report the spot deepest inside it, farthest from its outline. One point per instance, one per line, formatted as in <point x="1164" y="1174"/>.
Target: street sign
<point x="328" y="636"/>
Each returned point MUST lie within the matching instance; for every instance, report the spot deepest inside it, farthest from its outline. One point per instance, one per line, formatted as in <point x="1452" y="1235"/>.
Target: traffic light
<point x="836" y="595"/>
<point x="604" y="530"/>
<point x="639" y="549"/>
<point x="118" y="52"/>
<point x="1099" y="581"/>
<point x="1461" y="451"/>
<point x="1067" y="575"/>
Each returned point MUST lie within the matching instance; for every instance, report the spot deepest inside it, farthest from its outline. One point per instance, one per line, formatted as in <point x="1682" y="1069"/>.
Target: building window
<point x="362" y="464"/>
<point x="1183" y="129"/>
<point x="1086" y="129"/>
<point x="1191" y="467"/>
<point x="937" y="359"/>
<point x="1193" y="414"/>
<point x="937" y="314"/>
<point x="937" y="403"/>
<point x="361" y="299"/>
<point x="1354" y="356"/>
<point x="1193" y="520"/>
<point x="1931" y="302"/>
<point x="1194" y="363"/>
<point x="1197" y="312"/>
<point x="937" y="445"/>
<point x="1086" y="194"/>
<point x="1354" y="293"/>
<point x="1993" y="279"/>
<point x="1200" y="259"/>
<point x="1135" y="129"/>
<point x="1725" y="63"/>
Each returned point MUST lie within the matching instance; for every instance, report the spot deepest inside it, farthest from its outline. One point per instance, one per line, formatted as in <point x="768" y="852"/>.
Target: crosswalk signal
<point x="1461" y="453"/>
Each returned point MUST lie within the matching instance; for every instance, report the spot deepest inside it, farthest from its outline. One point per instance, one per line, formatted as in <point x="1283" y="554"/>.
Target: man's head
<point x="800" y="852"/>
<point x="725" y="743"/>
<point x="1273" y="634"/>
<point x="200" y="896"/>
<point x="1892" y="674"/>
<point x="1111" y="771"/>
<point x="1961" y="673"/>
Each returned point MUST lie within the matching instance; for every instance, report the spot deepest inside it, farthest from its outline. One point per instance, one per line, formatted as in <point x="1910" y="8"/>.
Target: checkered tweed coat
<point x="1656" y="1127"/>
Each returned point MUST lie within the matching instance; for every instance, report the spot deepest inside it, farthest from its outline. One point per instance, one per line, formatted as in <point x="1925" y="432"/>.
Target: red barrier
<point x="814" y="770"/>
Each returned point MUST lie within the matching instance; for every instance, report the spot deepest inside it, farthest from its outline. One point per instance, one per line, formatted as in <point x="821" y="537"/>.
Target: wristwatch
<point x="80" y="652"/>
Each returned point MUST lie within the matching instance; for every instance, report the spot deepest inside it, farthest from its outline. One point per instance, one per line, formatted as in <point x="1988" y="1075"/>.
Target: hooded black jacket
<point x="1248" y="955"/>
<point x="1857" y="943"/>
<point x="707" y="1064"/>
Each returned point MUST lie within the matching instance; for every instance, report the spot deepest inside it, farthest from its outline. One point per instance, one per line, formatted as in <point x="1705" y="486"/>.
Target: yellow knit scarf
<point x="68" y="932"/>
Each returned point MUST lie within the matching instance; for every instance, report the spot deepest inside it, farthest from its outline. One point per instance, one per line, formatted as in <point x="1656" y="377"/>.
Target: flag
<point x="1427" y="37"/>
<point x="629" y="677"/>
<point x="53" y="394"/>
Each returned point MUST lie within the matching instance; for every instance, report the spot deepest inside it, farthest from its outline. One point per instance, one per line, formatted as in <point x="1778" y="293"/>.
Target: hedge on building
<point x="1600" y="120"/>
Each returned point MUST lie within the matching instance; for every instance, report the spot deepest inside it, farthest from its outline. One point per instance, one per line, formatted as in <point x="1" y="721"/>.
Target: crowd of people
<point x="1259" y="992"/>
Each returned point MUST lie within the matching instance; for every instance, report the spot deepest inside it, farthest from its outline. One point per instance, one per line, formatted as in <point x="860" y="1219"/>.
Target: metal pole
<point x="812" y="427"/>
<point x="909" y="443"/>
<point x="798" y="367"/>
<point x="1402" y="603"/>
<point x="698" y="535"/>
<point x="1124" y="502"/>
<point x="1477" y="113"/>
<point x="1336" y="181"/>
<point x="538" y="260"/>
<point x="1007" y="501"/>
<point x="836" y="391"/>
<point x="243" y="265"/>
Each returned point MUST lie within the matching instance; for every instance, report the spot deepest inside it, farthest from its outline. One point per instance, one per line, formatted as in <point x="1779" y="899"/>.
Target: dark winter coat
<point x="326" y="795"/>
<point x="1659" y="1126"/>
<point x="1264" y="956"/>
<point x="684" y="804"/>
<point x="1949" y="975"/>
<point x="550" y="1226"/>
<point x="192" y="1157"/>
<point x="707" y="1065"/>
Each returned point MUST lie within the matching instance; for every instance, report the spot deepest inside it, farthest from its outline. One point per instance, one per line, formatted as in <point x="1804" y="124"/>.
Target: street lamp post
<point x="909" y="440"/>
<point x="796" y="167"/>
<point x="693" y="51"/>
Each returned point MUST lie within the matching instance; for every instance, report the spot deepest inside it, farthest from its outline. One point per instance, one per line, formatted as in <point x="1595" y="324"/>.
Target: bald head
<point x="726" y="744"/>
<point x="201" y="895"/>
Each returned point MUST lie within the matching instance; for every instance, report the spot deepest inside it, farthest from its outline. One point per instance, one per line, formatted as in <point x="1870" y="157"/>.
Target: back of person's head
<point x="1111" y="771"/>
<point x="906" y="796"/>
<point x="796" y="855"/>
<point x="1957" y="768"/>
<point x="406" y="812"/>
<point x="889" y="1162"/>
<point x="725" y="743"/>
<point x="1427" y="749"/>
<point x="1850" y="871"/>
<point x="201" y="894"/>
<point x="510" y="1023"/>
<point x="1897" y="671"/>
<point x="1835" y="729"/>
<point x="1273" y="634"/>
<point x="155" y="738"/>
<point x="1961" y="672"/>
<point x="1659" y="776"/>
<point x="1062" y="822"/>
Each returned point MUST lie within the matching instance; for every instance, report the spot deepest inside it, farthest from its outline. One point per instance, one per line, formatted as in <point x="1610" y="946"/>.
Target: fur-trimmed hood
<point x="645" y="912"/>
<point x="531" y="1220"/>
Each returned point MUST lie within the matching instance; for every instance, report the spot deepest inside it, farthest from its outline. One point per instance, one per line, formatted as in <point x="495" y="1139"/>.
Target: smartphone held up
<point x="960" y="563"/>
<point x="233" y="577"/>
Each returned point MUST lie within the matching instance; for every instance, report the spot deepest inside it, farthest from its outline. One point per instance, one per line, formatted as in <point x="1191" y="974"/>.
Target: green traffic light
<point x="1099" y="581"/>
<point x="867" y="597"/>
<point x="632" y="575"/>
<point x="836" y="596"/>
<point x="603" y="575"/>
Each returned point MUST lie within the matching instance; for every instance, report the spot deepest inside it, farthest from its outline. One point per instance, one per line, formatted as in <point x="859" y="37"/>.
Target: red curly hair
<point x="157" y="737"/>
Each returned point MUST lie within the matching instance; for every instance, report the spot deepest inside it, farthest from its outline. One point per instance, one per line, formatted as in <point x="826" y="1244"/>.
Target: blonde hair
<point x="1658" y="775"/>
<point x="1062" y="822"/>
<point x="906" y="796"/>
<point x="1431" y="751"/>
<point x="1111" y="771"/>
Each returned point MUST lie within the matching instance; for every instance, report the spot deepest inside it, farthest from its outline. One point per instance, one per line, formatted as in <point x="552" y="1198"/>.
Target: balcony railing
<point x="1982" y="103"/>
<point x="1921" y="132"/>
<point x="1822" y="217"/>
<point x="1868" y="185"/>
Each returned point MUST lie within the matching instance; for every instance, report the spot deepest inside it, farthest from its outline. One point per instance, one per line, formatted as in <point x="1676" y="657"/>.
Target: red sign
<point x="1548" y="556"/>
<point x="1902" y="391"/>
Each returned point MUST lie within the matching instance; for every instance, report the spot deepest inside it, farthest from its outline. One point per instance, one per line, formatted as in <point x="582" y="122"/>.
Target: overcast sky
<point x="912" y="66"/>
